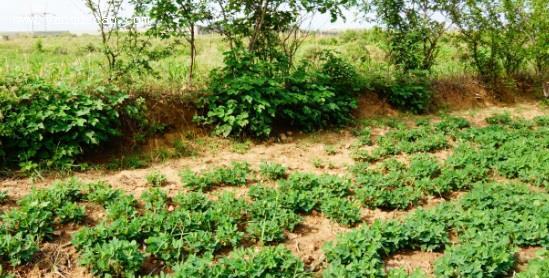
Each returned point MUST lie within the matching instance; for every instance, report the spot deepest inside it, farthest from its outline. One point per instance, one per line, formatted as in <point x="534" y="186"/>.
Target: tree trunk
<point x="192" y="43"/>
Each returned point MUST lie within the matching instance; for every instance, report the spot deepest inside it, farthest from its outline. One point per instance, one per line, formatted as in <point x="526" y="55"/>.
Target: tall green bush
<point x="42" y="124"/>
<point x="250" y="96"/>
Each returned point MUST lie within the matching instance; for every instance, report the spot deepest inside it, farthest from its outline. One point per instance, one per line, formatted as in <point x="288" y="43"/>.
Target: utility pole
<point x="44" y="15"/>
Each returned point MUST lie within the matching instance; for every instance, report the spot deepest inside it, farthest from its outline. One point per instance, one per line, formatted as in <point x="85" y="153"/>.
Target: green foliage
<point x="243" y="263"/>
<point x="249" y="95"/>
<point x="490" y="221"/>
<point x="3" y="197"/>
<point x="420" y="139"/>
<point x="269" y="262"/>
<point x="495" y="34"/>
<point x="409" y="93"/>
<point x="269" y="220"/>
<point x="154" y="199"/>
<point x="17" y="248"/>
<point x="401" y="273"/>
<point x="24" y="227"/>
<point x="71" y="212"/>
<point x="156" y="178"/>
<point x="341" y="210"/>
<point x="393" y="190"/>
<point x="116" y="258"/>
<point x="49" y="124"/>
<point x="233" y="175"/>
<point x="272" y="171"/>
<point x="487" y="255"/>
<point x="413" y="33"/>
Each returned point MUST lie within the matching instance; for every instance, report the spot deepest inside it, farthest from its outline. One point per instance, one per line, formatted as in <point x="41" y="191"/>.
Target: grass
<point x="78" y="59"/>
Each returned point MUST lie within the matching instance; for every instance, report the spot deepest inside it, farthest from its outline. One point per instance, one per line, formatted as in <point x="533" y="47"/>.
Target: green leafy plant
<point x="250" y="95"/>
<point x="272" y="171"/>
<point x="341" y="210"/>
<point x="156" y="178"/>
<point x="71" y="212"/>
<point x="486" y="256"/>
<point x="234" y="174"/>
<point x="3" y="197"/>
<point x="117" y="258"/>
<point x="17" y="248"/>
<point x="50" y="125"/>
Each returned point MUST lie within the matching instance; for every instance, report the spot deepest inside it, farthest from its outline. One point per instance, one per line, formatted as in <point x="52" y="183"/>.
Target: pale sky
<point x="72" y="15"/>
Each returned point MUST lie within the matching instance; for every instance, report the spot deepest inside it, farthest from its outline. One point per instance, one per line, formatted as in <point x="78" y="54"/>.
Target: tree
<point x="494" y="33"/>
<point x="125" y="48"/>
<point x="536" y="30"/>
<point x="179" y="19"/>
<point x="413" y="33"/>
<point x="263" y="24"/>
<point x="107" y="17"/>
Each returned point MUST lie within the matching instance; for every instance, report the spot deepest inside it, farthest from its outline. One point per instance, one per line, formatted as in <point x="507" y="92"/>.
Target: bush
<point x="43" y="123"/>
<point x="117" y="258"/>
<point x="156" y="178"/>
<point x="485" y="256"/>
<point x="272" y="171"/>
<point x="411" y="93"/>
<point x="250" y="96"/>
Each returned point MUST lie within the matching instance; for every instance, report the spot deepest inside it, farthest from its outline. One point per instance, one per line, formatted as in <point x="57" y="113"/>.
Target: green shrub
<point x="269" y="220"/>
<point x="233" y="175"/>
<point x="409" y="92"/>
<point x="487" y="255"/>
<point x="154" y="199"/>
<point x="116" y="258"/>
<point x="46" y="124"/>
<point x="249" y="95"/>
<point x="18" y="248"/>
<point x="156" y="178"/>
<point x="273" y="171"/>
<point x="276" y="262"/>
<point x="3" y="197"/>
<point x="341" y="210"/>
<point x="71" y="212"/>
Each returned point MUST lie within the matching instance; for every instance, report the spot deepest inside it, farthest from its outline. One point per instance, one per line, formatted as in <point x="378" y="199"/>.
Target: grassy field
<point x="410" y="196"/>
<point x="78" y="59"/>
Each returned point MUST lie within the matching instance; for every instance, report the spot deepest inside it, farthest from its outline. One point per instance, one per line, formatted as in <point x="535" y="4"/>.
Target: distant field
<point x="78" y="59"/>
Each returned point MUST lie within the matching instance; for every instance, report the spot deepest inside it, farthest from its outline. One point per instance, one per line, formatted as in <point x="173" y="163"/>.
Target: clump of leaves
<point x="499" y="119"/>
<point x="365" y="136"/>
<point x="71" y="212"/>
<point x="154" y="199"/>
<point x="156" y="178"/>
<point x="116" y="258"/>
<point x="49" y="125"/>
<point x="18" y="248"/>
<point x="273" y="171"/>
<point x="487" y="255"/>
<point x="3" y="197"/>
<point x="269" y="220"/>
<point x="315" y="94"/>
<point x="341" y="210"/>
<point x="192" y="201"/>
<point x="234" y="174"/>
